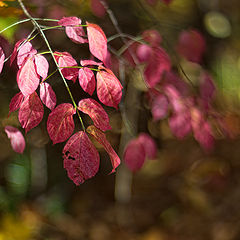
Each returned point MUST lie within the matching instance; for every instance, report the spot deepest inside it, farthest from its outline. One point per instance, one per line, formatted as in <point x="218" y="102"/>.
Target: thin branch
<point x="35" y="23"/>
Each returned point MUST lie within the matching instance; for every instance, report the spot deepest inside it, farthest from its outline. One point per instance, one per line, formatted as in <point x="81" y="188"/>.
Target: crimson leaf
<point x="96" y="112"/>
<point x="109" y="89"/>
<point x="97" y="41"/>
<point x="2" y="58"/>
<point x="16" y="138"/>
<point x="16" y="102"/>
<point x="60" y="124"/>
<point x="27" y="77"/>
<point x="101" y="138"/>
<point x="81" y="159"/>
<point x="31" y="112"/>
<point x="47" y="95"/>
<point x="87" y="80"/>
<point x="65" y="59"/>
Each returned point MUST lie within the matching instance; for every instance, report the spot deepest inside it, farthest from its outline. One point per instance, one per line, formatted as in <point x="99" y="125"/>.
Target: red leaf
<point x="60" y="124"/>
<point x="26" y="51"/>
<point x="65" y="59"/>
<point x="16" y="102"/>
<point x="69" y="21"/>
<point x="31" y="112"/>
<point x="134" y="155"/>
<point x="16" y="138"/>
<point x="47" y="95"/>
<point x="97" y="8"/>
<point x="143" y="52"/>
<point x="152" y="36"/>
<point x="15" y="51"/>
<point x="41" y="65"/>
<point x="96" y="112"/>
<point x="101" y="138"/>
<point x="76" y="34"/>
<point x="97" y="41"/>
<point x="202" y="129"/>
<point x="157" y="65"/>
<point x="109" y="89"/>
<point x="180" y="124"/>
<point x="207" y="89"/>
<point x="149" y="145"/>
<point x="73" y="31"/>
<point x="2" y="58"/>
<point x="87" y="80"/>
<point x="191" y="45"/>
<point x="90" y="62"/>
<point x="27" y="77"/>
<point x="159" y="107"/>
<point x="81" y="159"/>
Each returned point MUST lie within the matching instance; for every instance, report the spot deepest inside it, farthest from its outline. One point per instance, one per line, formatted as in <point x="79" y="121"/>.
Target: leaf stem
<point x="35" y="23"/>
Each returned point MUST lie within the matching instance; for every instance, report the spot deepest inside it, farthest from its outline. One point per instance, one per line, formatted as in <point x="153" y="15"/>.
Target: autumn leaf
<point x="109" y="89"/>
<point x="81" y="159"/>
<point x="65" y="59"/>
<point x="31" y="112"/>
<point x="16" y="102"/>
<point x="97" y="41"/>
<point x="96" y="112"/>
<point x="87" y="80"/>
<point x="27" y="77"/>
<point x="60" y="124"/>
<point x="47" y="95"/>
<point x="101" y="138"/>
<point x="16" y="138"/>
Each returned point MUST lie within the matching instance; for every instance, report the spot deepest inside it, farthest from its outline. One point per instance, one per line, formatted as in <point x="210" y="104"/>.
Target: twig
<point x="35" y="23"/>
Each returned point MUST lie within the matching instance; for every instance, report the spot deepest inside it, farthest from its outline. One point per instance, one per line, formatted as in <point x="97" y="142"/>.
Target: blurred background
<point x="185" y="193"/>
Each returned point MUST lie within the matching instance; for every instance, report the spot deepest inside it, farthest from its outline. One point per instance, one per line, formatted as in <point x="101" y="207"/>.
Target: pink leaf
<point x="26" y="51"/>
<point x="41" y="65"/>
<point x="97" y="41"/>
<point x="76" y="34"/>
<point x="60" y="124"/>
<point x="144" y="52"/>
<point x="31" y="112"/>
<point x="15" y="51"/>
<point x="191" y="45"/>
<point x="69" y="21"/>
<point x="2" y="58"/>
<point x="97" y="8"/>
<point x="149" y="145"/>
<point x="159" y="107"/>
<point x="134" y="155"/>
<point x="157" y="65"/>
<point x="65" y="59"/>
<point x="87" y="80"/>
<point x="96" y="112"/>
<point x="207" y="89"/>
<point x="101" y="138"/>
<point x="73" y="31"/>
<point x="16" y="102"/>
<point x="16" y="138"/>
<point x="152" y="36"/>
<point x="27" y="77"/>
<point x="90" y="62"/>
<point x="81" y="159"/>
<point x="47" y="95"/>
<point x="180" y="124"/>
<point x="202" y="129"/>
<point x="109" y="89"/>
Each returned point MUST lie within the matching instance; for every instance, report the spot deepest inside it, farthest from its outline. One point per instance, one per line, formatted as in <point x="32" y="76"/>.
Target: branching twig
<point x="35" y="23"/>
